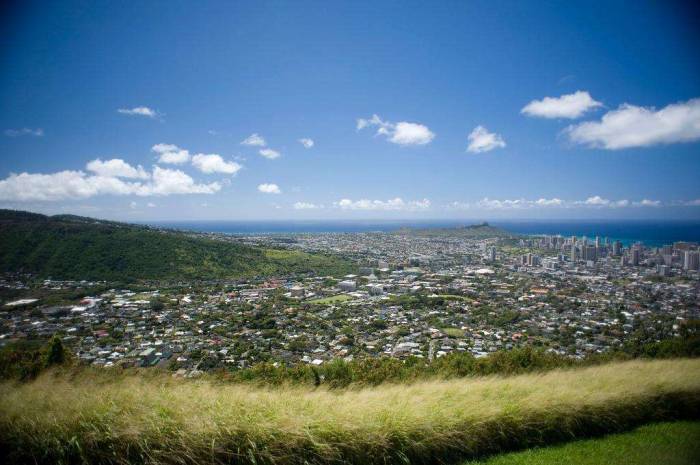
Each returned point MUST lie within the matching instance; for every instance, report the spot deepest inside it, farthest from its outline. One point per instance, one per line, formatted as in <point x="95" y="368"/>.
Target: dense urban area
<point x="414" y="294"/>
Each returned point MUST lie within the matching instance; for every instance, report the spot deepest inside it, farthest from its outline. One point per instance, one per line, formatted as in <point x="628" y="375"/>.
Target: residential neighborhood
<point x="412" y="296"/>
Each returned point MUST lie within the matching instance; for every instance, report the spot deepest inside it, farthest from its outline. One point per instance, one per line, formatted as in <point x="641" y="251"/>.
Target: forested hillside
<point x="71" y="247"/>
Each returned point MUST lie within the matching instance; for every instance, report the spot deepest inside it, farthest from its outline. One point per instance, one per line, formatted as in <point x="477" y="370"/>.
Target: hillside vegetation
<point x="70" y="247"/>
<point x="120" y="417"/>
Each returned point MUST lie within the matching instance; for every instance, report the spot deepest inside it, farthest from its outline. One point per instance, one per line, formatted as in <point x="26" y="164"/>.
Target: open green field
<point x="675" y="443"/>
<point x="334" y="299"/>
<point x="453" y="332"/>
<point x="123" y="417"/>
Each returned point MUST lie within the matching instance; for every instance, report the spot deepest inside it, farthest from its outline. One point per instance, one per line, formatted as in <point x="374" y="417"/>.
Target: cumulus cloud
<point x="116" y="167"/>
<point x="647" y="203"/>
<point x="172" y="154"/>
<point x="269" y="153"/>
<point x="567" y="106"/>
<point x="213" y="163"/>
<point x="306" y="142"/>
<point x="598" y="201"/>
<point x="481" y="140"/>
<point x="139" y="111"/>
<point x="632" y="126"/>
<point x="62" y="185"/>
<point x="401" y="133"/>
<point x="391" y="204"/>
<point x="268" y="188"/>
<point x="255" y="140"/>
<point x="169" y="181"/>
<point x="68" y="184"/>
<point x="493" y="204"/>
<point x="38" y="132"/>
<point x="306" y="206"/>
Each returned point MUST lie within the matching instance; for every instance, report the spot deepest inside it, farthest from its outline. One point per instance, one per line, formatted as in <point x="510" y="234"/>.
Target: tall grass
<point x="125" y="418"/>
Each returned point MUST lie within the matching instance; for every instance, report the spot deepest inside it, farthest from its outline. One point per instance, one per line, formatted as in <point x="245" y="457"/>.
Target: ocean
<point x="651" y="233"/>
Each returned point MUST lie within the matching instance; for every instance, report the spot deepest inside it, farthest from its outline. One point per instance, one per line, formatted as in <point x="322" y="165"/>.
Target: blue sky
<point x="483" y="109"/>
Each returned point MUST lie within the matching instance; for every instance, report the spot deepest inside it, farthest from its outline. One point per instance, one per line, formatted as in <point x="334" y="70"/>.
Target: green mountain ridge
<point x="75" y="247"/>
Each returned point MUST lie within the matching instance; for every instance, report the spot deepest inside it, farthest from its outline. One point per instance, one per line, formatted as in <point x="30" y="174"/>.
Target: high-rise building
<point x="533" y="260"/>
<point x="691" y="260"/>
<point x="635" y="256"/>
<point x="573" y="253"/>
<point x="589" y="253"/>
<point x="617" y="248"/>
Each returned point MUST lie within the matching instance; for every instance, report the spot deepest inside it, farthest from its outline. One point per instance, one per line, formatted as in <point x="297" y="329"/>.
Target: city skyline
<point x="271" y="110"/>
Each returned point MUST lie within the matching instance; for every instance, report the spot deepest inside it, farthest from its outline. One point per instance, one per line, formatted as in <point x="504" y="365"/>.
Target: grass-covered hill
<point x="121" y="417"/>
<point x="474" y="231"/>
<point x="73" y="247"/>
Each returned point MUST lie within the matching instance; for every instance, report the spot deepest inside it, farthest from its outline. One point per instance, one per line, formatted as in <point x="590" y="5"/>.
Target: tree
<point x="157" y="304"/>
<point x="55" y="353"/>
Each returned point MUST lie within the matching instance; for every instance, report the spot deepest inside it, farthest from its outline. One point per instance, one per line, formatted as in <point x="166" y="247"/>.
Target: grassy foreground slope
<point x="92" y="417"/>
<point x="70" y="247"/>
<point x="676" y="443"/>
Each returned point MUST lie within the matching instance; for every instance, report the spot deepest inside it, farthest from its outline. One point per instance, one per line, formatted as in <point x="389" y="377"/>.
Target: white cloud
<point x="481" y="140"/>
<point x="567" y="106"/>
<point x="255" y="140"/>
<point x="411" y="134"/>
<point x="493" y="204"/>
<point x="167" y="181"/>
<point x="306" y="142"/>
<point x="647" y="203"/>
<point x="306" y="206"/>
<point x="632" y="126"/>
<point x="38" y="132"/>
<point x="269" y="188"/>
<point x="151" y="205"/>
<point x="139" y="111"/>
<point x="520" y="204"/>
<point x="269" y="153"/>
<point x="62" y="185"/>
<point x="402" y="133"/>
<point x="67" y="184"/>
<point x="598" y="201"/>
<point x="169" y="153"/>
<point x="116" y="167"/>
<point x="213" y="163"/>
<point x="206" y="163"/>
<point x="391" y="204"/>
<point x="375" y="120"/>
